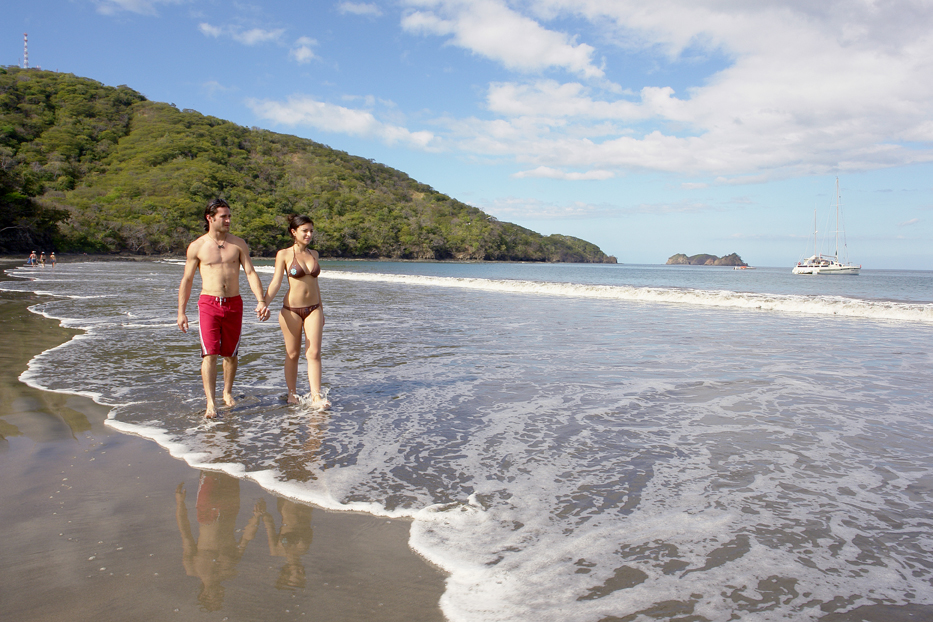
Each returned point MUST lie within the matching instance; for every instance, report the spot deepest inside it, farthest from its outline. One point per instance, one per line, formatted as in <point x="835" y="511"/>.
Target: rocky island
<point x="705" y="260"/>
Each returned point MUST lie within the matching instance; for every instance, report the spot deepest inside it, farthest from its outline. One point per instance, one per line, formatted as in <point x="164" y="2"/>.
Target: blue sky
<point x="693" y="126"/>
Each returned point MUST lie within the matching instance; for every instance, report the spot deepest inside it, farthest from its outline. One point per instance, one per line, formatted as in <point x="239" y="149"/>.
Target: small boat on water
<point x="818" y="263"/>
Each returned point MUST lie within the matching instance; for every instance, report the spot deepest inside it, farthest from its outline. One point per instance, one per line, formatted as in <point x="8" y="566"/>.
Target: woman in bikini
<point x="301" y="309"/>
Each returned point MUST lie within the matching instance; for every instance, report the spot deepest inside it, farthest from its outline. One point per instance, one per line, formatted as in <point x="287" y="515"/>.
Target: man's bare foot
<point x="229" y="402"/>
<point x="292" y="398"/>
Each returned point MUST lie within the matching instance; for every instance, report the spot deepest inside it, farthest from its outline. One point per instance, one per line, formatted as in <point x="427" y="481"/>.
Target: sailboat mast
<point x="837" y="219"/>
<point x="814" y="231"/>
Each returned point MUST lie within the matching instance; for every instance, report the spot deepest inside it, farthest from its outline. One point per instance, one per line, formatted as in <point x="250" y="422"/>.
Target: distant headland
<point x="705" y="260"/>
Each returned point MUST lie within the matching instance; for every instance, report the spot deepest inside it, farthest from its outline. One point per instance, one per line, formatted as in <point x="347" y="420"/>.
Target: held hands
<point x="262" y="312"/>
<point x="260" y="508"/>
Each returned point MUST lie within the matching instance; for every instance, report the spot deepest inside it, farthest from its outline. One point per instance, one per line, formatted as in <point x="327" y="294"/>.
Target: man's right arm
<point x="184" y="290"/>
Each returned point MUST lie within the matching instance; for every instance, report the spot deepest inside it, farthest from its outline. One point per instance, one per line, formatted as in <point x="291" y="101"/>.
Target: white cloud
<point x="253" y="36"/>
<point x="518" y="208"/>
<point x="493" y="30"/>
<point x="804" y="89"/>
<point x="210" y="31"/>
<point x="553" y="173"/>
<point x="809" y="89"/>
<point x="141" y="7"/>
<point x="549" y="98"/>
<point x="302" y="51"/>
<point x="307" y="112"/>
<point x="909" y="223"/>
<point x="214" y="88"/>
<point x="360" y="8"/>
<point x="257" y="35"/>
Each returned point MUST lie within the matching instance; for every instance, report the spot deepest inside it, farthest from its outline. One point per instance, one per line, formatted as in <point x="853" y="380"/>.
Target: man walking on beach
<point x="218" y="255"/>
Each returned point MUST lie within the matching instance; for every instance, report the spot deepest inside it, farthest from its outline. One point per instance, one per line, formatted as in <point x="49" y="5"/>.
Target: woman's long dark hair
<point x="296" y="220"/>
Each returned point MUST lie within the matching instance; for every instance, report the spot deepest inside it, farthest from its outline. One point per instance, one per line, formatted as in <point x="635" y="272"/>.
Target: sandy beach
<point x="101" y="525"/>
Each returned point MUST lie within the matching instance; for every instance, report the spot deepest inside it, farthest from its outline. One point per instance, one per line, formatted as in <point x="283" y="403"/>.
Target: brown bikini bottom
<point x="302" y="312"/>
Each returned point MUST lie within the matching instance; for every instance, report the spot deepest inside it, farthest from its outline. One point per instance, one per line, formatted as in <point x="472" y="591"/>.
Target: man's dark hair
<point x="211" y="210"/>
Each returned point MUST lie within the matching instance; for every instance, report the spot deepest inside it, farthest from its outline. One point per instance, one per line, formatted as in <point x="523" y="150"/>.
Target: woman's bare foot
<point x="292" y="398"/>
<point x="210" y="413"/>
<point x="319" y="402"/>
<point x="229" y="402"/>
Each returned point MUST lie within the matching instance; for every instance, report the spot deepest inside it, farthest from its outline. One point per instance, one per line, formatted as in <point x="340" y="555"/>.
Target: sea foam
<point x="722" y="299"/>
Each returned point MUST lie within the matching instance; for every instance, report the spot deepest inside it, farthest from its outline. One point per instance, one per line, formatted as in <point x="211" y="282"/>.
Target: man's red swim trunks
<point x="219" y="322"/>
<point x="218" y="495"/>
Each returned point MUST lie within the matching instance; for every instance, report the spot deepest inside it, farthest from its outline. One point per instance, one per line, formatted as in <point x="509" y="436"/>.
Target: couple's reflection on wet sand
<point x="214" y="555"/>
<point x="291" y="540"/>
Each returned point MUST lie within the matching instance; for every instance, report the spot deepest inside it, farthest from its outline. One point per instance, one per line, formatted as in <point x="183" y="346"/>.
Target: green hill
<point x="93" y="168"/>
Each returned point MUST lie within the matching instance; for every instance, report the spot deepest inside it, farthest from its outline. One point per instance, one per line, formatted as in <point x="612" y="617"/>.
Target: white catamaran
<point x="818" y="263"/>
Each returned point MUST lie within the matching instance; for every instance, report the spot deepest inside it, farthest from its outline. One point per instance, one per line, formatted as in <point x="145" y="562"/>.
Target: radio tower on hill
<point x="25" y="50"/>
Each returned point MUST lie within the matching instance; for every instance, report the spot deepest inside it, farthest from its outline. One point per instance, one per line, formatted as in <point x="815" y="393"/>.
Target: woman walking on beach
<point x="301" y="309"/>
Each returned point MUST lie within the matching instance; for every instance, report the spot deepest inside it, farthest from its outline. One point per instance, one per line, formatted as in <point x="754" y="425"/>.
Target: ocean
<point x="571" y="442"/>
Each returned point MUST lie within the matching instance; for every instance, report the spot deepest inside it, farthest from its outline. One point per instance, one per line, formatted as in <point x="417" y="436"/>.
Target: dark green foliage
<point x="102" y="169"/>
<point x="705" y="260"/>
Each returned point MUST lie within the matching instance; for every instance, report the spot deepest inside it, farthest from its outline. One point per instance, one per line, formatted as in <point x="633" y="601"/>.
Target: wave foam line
<point x="722" y="299"/>
<point x="268" y="479"/>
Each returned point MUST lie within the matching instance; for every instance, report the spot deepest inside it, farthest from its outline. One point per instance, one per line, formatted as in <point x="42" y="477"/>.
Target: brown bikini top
<point x="296" y="271"/>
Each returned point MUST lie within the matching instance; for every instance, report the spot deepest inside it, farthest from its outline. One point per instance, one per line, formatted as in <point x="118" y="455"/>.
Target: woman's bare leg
<point x="291" y="331"/>
<point x="314" y="330"/>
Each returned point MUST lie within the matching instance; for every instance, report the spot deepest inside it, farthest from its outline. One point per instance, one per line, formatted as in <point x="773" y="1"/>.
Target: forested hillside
<point x="87" y="167"/>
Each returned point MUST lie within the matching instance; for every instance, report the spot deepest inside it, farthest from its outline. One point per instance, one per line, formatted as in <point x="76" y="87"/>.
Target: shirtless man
<point x="218" y="256"/>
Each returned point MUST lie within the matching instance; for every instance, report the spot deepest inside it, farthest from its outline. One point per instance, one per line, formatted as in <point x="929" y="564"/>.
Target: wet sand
<point x="96" y="524"/>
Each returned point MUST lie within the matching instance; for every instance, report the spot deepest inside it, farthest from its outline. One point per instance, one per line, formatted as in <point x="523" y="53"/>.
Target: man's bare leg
<point x="230" y="365"/>
<point x="209" y="377"/>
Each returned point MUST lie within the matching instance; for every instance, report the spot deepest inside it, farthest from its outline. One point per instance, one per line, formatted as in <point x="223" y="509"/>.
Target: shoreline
<point x="96" y="523"/>
<point x="81" y="257"/>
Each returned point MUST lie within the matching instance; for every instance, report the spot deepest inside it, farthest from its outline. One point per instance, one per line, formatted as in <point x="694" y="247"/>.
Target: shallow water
<point x="573" y="442"/>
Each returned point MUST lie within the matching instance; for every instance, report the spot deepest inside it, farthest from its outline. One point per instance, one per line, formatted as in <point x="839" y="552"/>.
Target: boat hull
<point x="826" y="270"/>
<point x="838" y="270"/>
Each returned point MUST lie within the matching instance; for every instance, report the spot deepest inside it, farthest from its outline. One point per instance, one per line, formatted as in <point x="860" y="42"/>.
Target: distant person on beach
<point x="301" y="310"/>
<point x="52" y="258"/>
<point x="42" y="259"/>
<point x="32" y="259"/>
<point x="218" y="256"/>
